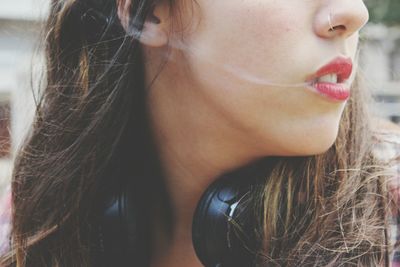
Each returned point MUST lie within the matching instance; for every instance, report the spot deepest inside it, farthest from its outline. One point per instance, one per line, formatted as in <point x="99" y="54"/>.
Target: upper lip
<point x="340" y="66"/>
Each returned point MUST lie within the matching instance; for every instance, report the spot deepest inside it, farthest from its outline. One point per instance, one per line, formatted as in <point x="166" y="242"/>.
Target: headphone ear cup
<point x="120" y="242"/>
<point x="210" y="227"/>
<point x="224" y="222"/>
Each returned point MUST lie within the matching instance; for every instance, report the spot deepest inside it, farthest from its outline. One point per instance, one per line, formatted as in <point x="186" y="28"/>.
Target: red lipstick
<point x="339" y="70"/>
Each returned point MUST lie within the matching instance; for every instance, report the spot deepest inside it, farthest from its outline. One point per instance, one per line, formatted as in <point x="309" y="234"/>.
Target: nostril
<point x="339" y="27"/>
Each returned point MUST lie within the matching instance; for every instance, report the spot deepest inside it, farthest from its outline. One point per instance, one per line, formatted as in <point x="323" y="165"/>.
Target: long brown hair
<point x="334" y="205"/>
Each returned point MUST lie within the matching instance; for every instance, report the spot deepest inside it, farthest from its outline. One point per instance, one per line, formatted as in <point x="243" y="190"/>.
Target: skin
<point x="207" y="120"/>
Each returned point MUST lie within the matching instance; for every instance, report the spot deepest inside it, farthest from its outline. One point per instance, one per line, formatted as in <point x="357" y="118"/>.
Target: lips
<point x="330" y="79"/>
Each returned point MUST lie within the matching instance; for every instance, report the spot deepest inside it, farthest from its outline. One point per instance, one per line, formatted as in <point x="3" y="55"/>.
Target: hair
<point x="90" y="128"/>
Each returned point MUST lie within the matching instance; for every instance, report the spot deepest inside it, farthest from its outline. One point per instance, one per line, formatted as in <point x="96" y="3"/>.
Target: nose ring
<point x="331" y="28"/>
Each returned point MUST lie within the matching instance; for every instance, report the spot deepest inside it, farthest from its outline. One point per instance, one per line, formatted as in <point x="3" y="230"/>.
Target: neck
<point x="192" y="155"/>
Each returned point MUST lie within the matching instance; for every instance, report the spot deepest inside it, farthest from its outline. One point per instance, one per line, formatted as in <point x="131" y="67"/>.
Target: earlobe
<point x="153" y="34"/>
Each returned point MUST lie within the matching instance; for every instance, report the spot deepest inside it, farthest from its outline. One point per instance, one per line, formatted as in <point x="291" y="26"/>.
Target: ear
<point x="154" y="32"/>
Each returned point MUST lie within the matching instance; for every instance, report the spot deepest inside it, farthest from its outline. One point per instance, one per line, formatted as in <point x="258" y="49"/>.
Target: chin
<point x="316" y="146"/>
<point x="309" y="145"/>
<point x="319" y="150"/>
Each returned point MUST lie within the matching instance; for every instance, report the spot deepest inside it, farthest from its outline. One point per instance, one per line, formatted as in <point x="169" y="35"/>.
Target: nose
<point x="340" y="18"/>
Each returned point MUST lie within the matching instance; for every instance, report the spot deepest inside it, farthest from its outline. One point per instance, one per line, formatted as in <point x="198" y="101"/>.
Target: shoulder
<point x="386" y="136"/>
<point x="385" y="127"/>
<point x="387" y="149"/>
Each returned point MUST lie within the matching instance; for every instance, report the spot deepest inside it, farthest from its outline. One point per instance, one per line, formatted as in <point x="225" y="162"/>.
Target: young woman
<point x="169" y="95"/>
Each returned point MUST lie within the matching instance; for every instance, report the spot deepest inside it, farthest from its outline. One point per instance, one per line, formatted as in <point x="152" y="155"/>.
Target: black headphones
<point x="120" y="238"/>
<point x="224" y="225"/>
<point x="224" y="228"/>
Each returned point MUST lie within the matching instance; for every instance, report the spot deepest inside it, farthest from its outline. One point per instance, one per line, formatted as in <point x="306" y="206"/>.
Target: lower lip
<point x="334" y="91"/>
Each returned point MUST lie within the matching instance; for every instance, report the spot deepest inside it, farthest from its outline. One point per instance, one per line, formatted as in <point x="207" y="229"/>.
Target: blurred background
<point x="20" y="60"/>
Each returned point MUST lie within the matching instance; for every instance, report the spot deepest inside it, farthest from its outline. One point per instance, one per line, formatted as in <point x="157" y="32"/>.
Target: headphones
<point x="120" y="236"/>
<point x="224" y="230"/>
<point x="224" y="225"/>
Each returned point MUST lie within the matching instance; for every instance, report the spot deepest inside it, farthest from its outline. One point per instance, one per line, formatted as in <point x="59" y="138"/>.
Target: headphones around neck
<point x="224" y="228"/>
<point x="120" y="238"/>
<point x="224" y="225"/>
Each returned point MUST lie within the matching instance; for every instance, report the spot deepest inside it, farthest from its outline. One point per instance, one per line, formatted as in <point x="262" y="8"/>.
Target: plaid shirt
<point x="387" y="148"/>
<point x="5" y="216"/>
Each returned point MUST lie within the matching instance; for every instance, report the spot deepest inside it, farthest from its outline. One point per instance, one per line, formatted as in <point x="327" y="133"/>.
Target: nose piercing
<point x="331" y="28"/>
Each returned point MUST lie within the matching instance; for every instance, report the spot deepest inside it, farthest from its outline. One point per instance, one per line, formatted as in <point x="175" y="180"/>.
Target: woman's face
<point x="250" y="60"/>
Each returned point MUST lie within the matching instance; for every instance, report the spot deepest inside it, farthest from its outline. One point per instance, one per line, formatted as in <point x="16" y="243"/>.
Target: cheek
<point x="257" y="38"/>
<point x="353" y="44"/>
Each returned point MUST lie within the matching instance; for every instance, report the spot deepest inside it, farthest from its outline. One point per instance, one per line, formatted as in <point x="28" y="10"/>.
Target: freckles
<point x="276" y="27"/>
<point x="289" y="25"/>
<point x="287" y="29"/>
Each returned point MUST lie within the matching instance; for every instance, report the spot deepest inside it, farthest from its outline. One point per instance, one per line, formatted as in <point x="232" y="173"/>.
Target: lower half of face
<point x="250" y="60"/>
<point x="284" y="120"/>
